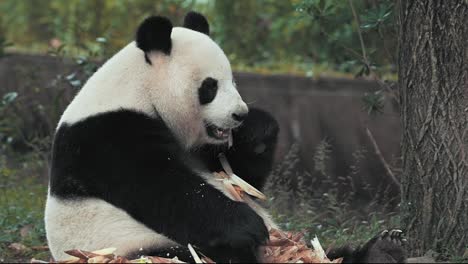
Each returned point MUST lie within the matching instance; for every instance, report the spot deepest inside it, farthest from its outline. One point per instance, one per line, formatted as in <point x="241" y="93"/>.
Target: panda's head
<point x="191" y="85"/>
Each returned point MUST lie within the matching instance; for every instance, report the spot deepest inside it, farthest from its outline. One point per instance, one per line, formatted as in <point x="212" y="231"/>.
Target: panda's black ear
<point x="196" y="21"/>
<point x="154" y="34"/>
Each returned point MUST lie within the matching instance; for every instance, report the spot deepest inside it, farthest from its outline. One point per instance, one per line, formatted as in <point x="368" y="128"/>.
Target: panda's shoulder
<point x="121" y="129"/>
<point x="107" y="148"/>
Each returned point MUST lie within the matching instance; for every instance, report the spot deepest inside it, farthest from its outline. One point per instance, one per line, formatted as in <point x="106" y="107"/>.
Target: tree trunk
<point x="433" y="76"/>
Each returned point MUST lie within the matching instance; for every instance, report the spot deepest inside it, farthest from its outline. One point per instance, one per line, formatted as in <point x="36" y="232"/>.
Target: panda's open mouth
<point x="218" y="132"/>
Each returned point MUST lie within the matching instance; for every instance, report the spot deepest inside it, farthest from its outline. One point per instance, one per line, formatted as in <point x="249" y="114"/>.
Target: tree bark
<point x="433" y="77"/>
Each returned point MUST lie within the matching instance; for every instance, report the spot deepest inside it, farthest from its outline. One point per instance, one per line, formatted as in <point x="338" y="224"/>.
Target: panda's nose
<point x="240" y="116"/>
<point x="241" y="112"/>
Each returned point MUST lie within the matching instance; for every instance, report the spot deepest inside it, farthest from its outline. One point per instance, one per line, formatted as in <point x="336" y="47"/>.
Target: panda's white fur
<point x="166" y="89"/>
<point x="92" y="224"/>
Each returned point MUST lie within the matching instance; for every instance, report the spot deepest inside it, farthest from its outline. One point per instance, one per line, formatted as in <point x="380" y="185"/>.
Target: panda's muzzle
<point x="218" y="132"/>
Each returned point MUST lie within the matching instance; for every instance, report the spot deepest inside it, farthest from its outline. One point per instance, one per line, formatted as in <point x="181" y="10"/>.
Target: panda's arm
<point x="134" y="163"/>
<point x="254" y="144"/>
<point x="252" y="153"/>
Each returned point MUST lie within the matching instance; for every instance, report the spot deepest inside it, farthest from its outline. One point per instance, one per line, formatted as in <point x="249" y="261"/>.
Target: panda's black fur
<point x="133" y="161"/>
<point x="154" y="34"/>
<point x="197" y="22"/>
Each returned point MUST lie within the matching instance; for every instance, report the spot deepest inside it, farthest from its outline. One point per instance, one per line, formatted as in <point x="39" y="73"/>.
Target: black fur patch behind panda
<point x="154" y="34"/>
<point x="207" y="91"/>
<point x="135" y="163"/>
<point x="196" y="21"/>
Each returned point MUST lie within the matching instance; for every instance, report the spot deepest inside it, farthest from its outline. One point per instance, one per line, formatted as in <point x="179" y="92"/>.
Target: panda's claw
<point x="383" y="235"/>
<point x="385" y="247"/>
<point x="395" y="234"/>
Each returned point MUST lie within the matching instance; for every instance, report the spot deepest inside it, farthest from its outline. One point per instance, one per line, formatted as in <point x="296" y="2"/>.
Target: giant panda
<point x="134" y="154"/>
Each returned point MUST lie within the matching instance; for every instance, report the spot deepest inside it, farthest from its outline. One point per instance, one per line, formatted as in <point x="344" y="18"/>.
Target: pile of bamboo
<point x="283" y="247"/>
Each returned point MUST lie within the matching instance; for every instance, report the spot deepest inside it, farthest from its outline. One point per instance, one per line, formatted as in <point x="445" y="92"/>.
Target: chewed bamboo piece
<point x="235" y="180"/>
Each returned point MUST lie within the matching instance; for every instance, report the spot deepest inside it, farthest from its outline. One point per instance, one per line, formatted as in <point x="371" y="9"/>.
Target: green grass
<point x="339" y="228"/>
<point x="21" y="216"/>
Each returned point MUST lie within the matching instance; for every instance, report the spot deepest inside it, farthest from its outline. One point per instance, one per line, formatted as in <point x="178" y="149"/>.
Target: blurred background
<point x="325" y="69"/>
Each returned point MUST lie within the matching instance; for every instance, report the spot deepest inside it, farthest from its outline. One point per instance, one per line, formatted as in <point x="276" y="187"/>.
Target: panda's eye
<point x="207" y="91"/>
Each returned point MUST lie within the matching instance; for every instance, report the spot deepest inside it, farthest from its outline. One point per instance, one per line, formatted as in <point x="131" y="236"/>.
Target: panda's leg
<point x="254" y="142"/>
<point x="386" y="247"/>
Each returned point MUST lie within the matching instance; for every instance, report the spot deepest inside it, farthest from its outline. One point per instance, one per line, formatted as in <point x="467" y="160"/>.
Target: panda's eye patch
<point x="207" y="91"/>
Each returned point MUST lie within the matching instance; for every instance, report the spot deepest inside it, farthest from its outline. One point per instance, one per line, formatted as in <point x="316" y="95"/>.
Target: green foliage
<point x="304" y="37"/>
<point x="374" y="102"/>
<point x="7" y="121"/>
<point x="32" y="130"/>
<point x="335" y="21"/>
<point x="3" y="45"/>
<point x="76" y="22"/>
<point x="377" y="17"/>
<point x="335" y="224"/>
<point x="87" y="62"/>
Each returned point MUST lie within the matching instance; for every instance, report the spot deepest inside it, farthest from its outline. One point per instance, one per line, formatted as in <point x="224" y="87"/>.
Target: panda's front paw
<point x="387" y="246"/>
<point x="258" y="132"/>
<point x="240" y="237"/>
